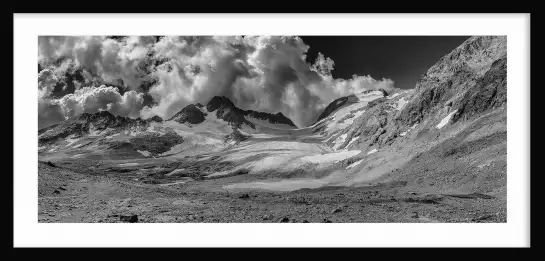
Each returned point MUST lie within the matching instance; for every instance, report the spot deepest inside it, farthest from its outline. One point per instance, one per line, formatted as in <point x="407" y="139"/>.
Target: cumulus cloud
<point x="105" y="60"/>
<point x="94" y="99"/>
<point x="46" y="83"/>
<point x="90" y="100"/>
<point x="263" y="73"/>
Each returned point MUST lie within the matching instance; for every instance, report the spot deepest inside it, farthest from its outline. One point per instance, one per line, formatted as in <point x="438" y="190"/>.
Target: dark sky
<point x="401" y="58"/>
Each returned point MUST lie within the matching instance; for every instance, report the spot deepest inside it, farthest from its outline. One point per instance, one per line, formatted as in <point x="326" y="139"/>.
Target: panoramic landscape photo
<point x="272" y="129"/>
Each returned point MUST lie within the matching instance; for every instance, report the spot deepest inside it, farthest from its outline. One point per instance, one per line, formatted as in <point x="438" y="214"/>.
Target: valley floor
<point x="70" y="192"/>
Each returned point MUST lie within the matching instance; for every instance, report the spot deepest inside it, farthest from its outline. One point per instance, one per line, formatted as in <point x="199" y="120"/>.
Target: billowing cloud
<point x="90" y="100"/>
<point x="46" y="83"/>
<point x="263" y="73"/>
<point x="105" y="60"/>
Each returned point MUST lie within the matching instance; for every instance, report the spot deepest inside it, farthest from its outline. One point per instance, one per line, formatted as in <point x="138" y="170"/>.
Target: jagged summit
<point x="191" y="113"/>
<point x="277" y="118"/>
<point x="226" y="110"/>
<point x="219" y="101"/>
<point x="155" y="118"/>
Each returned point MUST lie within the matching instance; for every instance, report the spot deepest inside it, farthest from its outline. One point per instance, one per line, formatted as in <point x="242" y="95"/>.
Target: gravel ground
<point x="67" y="196"/>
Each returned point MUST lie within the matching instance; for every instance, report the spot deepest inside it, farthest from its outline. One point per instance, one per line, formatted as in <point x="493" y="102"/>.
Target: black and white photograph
<point x="185" y="129"/>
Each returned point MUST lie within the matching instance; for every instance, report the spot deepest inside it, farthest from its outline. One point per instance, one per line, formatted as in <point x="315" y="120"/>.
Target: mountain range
<point x="447" y="134"/>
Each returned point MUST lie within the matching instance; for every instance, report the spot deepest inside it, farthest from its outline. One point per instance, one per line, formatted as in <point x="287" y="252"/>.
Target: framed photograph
<point x="218" y="134"/>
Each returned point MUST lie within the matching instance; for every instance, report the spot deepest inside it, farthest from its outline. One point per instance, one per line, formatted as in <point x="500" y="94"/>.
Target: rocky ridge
<point x="86" y="122"/>
<point x="467" y="82"/>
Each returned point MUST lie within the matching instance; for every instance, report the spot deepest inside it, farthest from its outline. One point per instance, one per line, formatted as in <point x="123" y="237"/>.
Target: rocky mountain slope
<point x="464" y="84"/>
<point x="92" y="122"/>
<point x="470" y="80"/>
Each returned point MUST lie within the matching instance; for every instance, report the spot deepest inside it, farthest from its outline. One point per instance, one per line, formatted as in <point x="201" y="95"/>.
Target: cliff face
<point x="471" y="79"/>
<point x="467" y="82"/>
